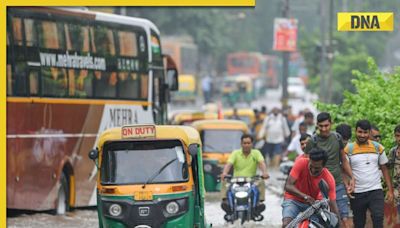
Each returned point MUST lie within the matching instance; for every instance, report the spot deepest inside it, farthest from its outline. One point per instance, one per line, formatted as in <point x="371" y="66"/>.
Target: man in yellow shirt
<point x="245" y="162"/>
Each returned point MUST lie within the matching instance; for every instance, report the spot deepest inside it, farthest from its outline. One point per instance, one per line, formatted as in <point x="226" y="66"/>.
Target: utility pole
<point x="285" y="61"/>
<point x="330" y="53"/>
<point x="322" y="83"/>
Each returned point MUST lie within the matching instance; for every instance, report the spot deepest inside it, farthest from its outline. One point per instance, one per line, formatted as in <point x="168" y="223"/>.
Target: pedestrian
<point x="294" y="145"/>
<point x="308" y="119"/>
<point x="375" y="134"/>
<point x="345" y="131"/>
<point x="337" y="162"/>
<point x="394" y="161"/>
<point x="235" y="114"/>
<point x="367" y="157"/>
<point x="256" y="127"/>
<point x="206" y="88"/>
<point x="275" y="129"/>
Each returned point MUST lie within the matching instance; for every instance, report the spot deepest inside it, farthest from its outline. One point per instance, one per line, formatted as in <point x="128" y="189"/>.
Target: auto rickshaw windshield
<point x="221" y="141"/>
<point x="139" y="162"/>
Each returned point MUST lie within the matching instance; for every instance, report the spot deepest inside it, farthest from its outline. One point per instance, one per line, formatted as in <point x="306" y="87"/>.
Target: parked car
<point x="296" y="88"/>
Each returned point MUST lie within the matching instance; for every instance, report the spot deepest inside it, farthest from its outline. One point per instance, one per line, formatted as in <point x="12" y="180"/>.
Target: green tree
<point x="376" y="98"/>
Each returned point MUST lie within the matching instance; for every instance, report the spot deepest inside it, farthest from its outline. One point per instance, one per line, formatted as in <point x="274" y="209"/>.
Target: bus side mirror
<point x="193" y="149"/>
<point x="171" y="74"/>
<point x="93" y="154"/>
<point x="172" y="79"/>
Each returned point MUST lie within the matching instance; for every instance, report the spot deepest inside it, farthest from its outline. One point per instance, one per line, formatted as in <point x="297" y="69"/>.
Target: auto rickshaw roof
<point x="192" y="116"/>
<point x="221" y="124"/>
<point x="240" y="111"/>
<point x="187" y="134"/>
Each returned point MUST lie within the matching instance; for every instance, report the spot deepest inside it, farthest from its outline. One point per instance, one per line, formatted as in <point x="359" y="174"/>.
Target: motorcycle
<point x="318" y="215"/>
<point x="286" y="166"/>
<point x="243" y="199"/>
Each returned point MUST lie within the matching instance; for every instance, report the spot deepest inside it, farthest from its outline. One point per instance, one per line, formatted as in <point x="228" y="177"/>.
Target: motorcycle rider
<point x="302" y="185"/>
<point x="245" y="162"/>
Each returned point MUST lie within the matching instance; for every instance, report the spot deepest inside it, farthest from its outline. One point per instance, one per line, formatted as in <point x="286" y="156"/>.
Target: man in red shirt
<point x="302" y="185"/>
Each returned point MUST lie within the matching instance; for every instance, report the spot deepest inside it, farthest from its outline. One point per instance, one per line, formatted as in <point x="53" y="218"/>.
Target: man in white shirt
<point x="275" y="129"/>
<point x="295" y="142"/>
<point x="308" y="119"/>
<point x="367" y="158"/>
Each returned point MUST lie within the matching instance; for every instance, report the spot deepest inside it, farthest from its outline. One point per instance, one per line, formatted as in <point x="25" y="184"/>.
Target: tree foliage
<point x="376" y="98"/>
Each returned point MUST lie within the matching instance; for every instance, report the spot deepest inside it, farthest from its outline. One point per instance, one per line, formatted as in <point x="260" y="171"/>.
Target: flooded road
<point x="85" y="218"/>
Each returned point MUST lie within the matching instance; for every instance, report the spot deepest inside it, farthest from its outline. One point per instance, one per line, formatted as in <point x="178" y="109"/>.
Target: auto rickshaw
<point x="150" y="176"/>
<point x="237" y="89"/>
<point x="187" y="117"/>
<point x="187" y="89"/>
<point x="220" y="138"/>
<point x="245" y="114"/>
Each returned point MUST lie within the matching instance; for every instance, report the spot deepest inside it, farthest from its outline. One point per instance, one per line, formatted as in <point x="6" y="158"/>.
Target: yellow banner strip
<point x="250" y="3"/>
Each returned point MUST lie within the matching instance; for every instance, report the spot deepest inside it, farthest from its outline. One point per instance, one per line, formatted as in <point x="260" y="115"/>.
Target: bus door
<point x="159" y="100"/>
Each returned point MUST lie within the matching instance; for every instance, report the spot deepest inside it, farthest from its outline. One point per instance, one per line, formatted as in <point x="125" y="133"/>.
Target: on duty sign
<point x="139" y="131"/>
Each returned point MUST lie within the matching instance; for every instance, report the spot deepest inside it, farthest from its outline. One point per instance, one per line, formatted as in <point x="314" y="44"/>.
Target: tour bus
<point x="71" y="74"/>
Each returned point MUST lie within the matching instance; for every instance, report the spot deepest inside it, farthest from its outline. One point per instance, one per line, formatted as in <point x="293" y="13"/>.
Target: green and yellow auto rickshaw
<point x="150" y="176"/>
<point x="245" y="114"/>
<point x="187" y="117"/>
<point x="237" y="89"/>
<point x="220" y="138"/>
<point x="187" y="89"/>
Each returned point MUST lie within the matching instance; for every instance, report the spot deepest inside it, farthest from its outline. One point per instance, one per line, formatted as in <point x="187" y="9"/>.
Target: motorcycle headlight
<point x="172" y="208"/>
<point x="207" y="167"/>
<point x="241" y="194"/>
<point x="115" y="210"/>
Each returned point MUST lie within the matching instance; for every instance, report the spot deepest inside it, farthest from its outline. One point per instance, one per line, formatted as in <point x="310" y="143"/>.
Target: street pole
<point x="285" y="63"/>
<point x="322" y="88"/>
<point x="330" y="53"/>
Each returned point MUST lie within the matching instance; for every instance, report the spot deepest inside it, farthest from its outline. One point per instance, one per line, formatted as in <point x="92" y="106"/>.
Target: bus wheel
<point x="62" y="205"/>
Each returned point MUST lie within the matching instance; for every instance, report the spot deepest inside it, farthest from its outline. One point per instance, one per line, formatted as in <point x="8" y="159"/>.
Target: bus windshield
<point x="221" y="141"/>
<point x="138" y="162"/>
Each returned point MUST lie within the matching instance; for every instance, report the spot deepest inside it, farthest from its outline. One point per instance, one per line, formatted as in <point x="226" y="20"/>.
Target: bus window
<point x="54" y="82"/>
<point x="10" y="81"/>
<point x="80" y="83"/>
<point x="34" y="83"/>
<point x="21" y="82"/>
<point x="77" y="37"/>
<point x="127" y="44"/>
<point x="105" y="84"/>
<point x="17" y="31"/>
<point x="129" y="85"/>
<point x="51" y="35"/>
<point x="30" y="33"/>
<point x="103" y="41"/>
<point x="144" y="84"/>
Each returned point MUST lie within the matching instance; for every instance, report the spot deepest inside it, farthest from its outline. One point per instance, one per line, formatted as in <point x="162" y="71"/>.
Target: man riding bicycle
<point x="302" y="185"/>
<point x="245" y="162"/>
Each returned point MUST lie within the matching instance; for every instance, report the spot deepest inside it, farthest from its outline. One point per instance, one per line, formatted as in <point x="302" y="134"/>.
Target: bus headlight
<point x="172" y="208"/>
<point x="115" y="210"/>
<point x="207" y="167"/>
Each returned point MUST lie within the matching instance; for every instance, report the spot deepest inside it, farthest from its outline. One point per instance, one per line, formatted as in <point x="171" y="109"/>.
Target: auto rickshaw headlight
<point x="115" y="210"/>
<point x="207" y="167"/>
<point x="172" y="208"/>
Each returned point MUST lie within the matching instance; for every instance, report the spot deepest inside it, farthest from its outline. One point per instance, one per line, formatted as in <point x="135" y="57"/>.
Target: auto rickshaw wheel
<point x="62" y="205"/>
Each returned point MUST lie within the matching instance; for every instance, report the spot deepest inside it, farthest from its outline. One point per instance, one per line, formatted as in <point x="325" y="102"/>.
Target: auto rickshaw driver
<point x="245" y="162"/>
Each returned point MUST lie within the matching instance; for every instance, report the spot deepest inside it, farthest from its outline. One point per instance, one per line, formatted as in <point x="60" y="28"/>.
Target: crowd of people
<point x="353" y="169"/>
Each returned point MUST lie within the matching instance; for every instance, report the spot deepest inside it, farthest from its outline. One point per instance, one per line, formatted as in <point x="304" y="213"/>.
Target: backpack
<point x="351" y="147"/>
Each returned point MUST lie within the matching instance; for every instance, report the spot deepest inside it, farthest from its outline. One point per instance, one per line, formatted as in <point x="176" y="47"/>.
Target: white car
<point x="296" y="88"/>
